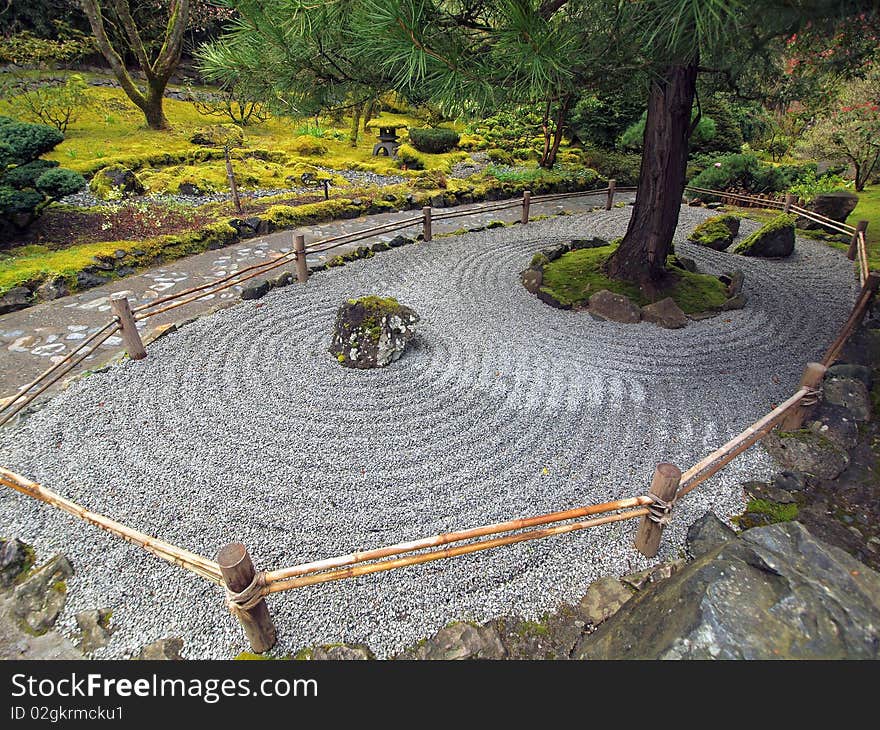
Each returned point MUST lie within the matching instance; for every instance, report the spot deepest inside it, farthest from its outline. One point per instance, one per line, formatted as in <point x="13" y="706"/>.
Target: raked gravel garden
<point x="242" y="427"/>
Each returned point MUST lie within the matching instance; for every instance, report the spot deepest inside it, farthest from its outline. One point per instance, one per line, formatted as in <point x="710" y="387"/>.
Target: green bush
<point x="502" y="157"/>
<point x="623" y="168"/>
<point x="810" y="185"/>
<point x="28" y="184"/>
<point x="433" y="140"/>
<point x="745" y="172"/>
<point x="308" y="146"/>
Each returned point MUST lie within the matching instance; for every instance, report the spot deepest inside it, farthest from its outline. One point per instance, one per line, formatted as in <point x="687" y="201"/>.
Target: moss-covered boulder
<point x="308" y="146"/>
<point x="115" y="182"/>
<point x="716" y="233"/>
<point x="806" y="451"/>
<point x="372" y="332"/>
<point x="219" y="135"/>
<point x="774" y="240"/>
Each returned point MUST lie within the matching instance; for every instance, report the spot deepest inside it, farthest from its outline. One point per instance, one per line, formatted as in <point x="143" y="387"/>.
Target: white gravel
<point x="243" y="427"/>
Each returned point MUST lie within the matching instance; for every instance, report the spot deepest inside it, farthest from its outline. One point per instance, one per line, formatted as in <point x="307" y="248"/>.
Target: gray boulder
<point x="532" y="279"/>
<point x="853" y="371"/>
<point x="706" y="533"/>
<point x="836" y="206"/>
<point x="256" y="291"/>
<point x="53" y="288"/>
<point x="94" y="628"/>
<point x="18" y="297"/>
<point x="115" y="182"/>
<point x="16" y="558"/>
<point x="38" y="599"/>
<point x="372" y="332"/>
<point x="616" y="307"/>
<point x="774" y="240"/>
<point x="665" y="313"/>
<point x="849" y="394"/>
<point x="773" y="593"/>
<point x="459" y="640"/>
<point x="807" y="452"/>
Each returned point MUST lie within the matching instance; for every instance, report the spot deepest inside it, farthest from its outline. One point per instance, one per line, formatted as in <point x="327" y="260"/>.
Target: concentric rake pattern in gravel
<point x="243" y="427"/>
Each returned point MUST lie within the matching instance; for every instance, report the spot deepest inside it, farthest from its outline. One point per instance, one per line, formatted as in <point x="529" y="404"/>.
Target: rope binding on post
<point x="246" y="599"/>
<point x="660" y="510"/>
<point x="812" y="397"/>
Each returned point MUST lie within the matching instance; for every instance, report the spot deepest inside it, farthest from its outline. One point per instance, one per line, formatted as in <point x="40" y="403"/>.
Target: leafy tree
<point x="474" y="55"/>
<point x="56" y="104"/>
<point x="851" y="131"/>
<point x="27" y="183"/>
<point x="156" y="65"/>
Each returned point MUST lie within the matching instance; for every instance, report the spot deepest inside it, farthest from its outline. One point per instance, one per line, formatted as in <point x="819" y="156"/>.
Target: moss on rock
<point x="716" y="233"/>
<point x="774" y="240"/>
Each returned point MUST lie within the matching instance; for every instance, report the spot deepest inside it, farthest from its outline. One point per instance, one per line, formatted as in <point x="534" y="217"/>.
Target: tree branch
<point x="123" y="12"/>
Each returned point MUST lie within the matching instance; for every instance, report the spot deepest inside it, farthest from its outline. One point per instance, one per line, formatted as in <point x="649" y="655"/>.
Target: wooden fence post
<point x="238" y="574"/>
<point x="664" y="485"/>
<point x="527" y="201"/>
<point x="789" y="201"/>
<point x="426" y="223"/>
<point x="812" y="378"/>
<point x="853" y="250"/>
<point x="131" y="338"/>
<point x="612" y="183"/>
<point x="302" y="267"/>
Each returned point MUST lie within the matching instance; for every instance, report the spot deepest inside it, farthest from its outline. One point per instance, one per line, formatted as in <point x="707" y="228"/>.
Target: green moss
<point x="59" y="586"/>
<point x="248" y="656"/>
<point x="412" y="158"/>
<point x="539" y="260"/>
<point x="532" y="628"/>
<point x="303" y="654"/>
<point x="777" y="224"/>
<point x="770" y="512"/>
<point x="287" y="216"/>
<point x="715" y="232"/>
<point x="574" y="277"/>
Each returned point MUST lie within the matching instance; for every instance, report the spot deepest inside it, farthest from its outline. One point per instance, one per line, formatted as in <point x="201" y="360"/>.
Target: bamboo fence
<point x="246" y="588"/>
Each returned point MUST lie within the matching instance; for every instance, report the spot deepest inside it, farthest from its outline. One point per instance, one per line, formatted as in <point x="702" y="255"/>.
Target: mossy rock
<point x="716" y="233"/>
<point x="774" y="240"/>
<point x="116" y="182"/>
<point x="219" y="135"/>
<point x="308" y="146"/>
<point x="371" y="332"/>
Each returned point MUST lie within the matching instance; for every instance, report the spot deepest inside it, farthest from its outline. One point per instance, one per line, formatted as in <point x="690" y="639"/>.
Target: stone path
<point x="33" y="339"/>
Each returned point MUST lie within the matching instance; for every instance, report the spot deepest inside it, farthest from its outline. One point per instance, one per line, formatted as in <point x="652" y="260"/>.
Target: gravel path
<point x="242" y="427"/>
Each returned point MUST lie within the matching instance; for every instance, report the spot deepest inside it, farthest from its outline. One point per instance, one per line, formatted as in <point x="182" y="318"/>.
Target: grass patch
<point x="868" y="209"/>
<point x="574" y="277"/>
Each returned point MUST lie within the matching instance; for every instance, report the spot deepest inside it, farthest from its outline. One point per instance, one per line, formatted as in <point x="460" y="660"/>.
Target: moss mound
<point x="575" y="276"/>
<point x="716" y="233"/>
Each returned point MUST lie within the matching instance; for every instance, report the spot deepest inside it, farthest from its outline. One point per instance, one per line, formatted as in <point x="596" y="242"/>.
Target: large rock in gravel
<point x="836" y="206"/>
<point x="459" y="640"/>
<point x="372" y="332"/>
<point x="806" y="451"/>
<point x="16" y="558"/>
<point x="94" y="628"/>
<point x="665" y="313"/>
<point x="163" y="649"/>
<point x="616" y="307"/>
<point x="716" y="232"/>
<point x="773" y="593"/>
<point x="774" y="240"/>
<point x="38" y="599"/>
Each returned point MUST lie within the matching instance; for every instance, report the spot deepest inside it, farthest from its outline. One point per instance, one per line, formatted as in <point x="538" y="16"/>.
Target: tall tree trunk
<point x="355" y="124"/>
<point x="641" y="256"/>
<point x="549" y="159"/>
<point x="152" y="108"/>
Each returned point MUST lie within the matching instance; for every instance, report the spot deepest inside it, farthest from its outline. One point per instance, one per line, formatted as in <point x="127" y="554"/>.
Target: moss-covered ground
<point x="574" y="277"/>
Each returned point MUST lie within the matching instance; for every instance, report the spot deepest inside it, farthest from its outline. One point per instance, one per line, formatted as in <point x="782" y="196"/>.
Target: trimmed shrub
<point x="502" y="157"/>
<point x="433" y="140"/>
<point x="624" y="168"/>
<point x="219" y="135"/>
<point x="410" y="157"/>
<point x="28" y="184"/>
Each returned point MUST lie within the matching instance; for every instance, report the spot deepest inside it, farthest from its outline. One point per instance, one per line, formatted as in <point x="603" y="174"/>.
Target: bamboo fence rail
<point x="248" y="605"/>
<point x="161" y="549"/>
